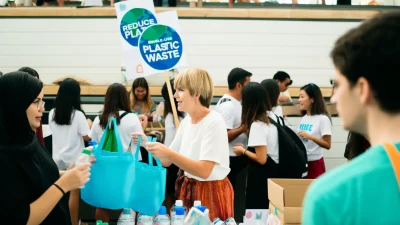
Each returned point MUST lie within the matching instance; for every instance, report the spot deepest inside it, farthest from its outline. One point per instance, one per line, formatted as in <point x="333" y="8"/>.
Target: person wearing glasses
<point x="33" y="190"/>
<point x="284" y="81"/>
<point x="34" y="73"/>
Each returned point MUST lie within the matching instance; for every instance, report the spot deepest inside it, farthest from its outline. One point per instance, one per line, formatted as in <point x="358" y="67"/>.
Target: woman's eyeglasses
<point x="39" y="104"/>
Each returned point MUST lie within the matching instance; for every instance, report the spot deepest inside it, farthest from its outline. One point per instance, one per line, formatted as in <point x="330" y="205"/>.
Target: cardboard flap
<point x="275" y="194"/>
<point x="287" y="192"/>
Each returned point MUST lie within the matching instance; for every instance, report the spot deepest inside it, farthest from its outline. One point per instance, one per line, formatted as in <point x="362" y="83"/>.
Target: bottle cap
<point x="162" y="211"/>
<point x="178" y="203"/>
<point x="202" y="208"/>
<point x="197" y="203"/>
<point x="86" y="151"/>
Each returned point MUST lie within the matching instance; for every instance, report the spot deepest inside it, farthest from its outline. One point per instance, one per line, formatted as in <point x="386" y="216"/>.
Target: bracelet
<point x="244" y="152"/>
<point x="59" y="188"/>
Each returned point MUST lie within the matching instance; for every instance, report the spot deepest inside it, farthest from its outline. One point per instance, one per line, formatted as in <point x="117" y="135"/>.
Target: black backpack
<point x="293" y="162"/>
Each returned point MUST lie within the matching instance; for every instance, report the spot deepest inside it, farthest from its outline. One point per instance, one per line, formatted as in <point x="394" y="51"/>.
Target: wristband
<point x="59" y="188"/>
<point x="244" y="152"/>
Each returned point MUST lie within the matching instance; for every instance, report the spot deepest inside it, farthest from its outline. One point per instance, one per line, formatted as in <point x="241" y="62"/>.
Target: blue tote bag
<point x="148" y="185"/>
<point x="112" y="175"/>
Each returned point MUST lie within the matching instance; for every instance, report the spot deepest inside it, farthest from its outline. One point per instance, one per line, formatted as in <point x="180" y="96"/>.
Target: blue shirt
<point x="364" y="191"/>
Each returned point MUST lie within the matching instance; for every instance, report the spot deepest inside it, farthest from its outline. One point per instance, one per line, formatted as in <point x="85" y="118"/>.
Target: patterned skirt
<point x="217" y="195"/>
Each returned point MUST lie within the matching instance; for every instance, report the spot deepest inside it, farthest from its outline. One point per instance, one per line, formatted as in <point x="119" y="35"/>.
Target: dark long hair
<point x="116" y="99"/>
<point x="318" y="107"/>
<point x="141" y="82"/>
<point x="255" y="104"/>
<point x="165" y="95"/>
<point x="68" y="99"/>
<point x="272" y="89"/>
<point x="356" y="144"/>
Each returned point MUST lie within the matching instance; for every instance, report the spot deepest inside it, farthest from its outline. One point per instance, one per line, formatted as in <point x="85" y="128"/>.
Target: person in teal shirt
<point x="367" y="74"/>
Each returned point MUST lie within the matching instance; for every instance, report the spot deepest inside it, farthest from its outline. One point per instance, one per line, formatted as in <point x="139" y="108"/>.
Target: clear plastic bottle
<point x="144" y="220"/>
<point x="179" y="217"/>
<point x="126" y="218"/>
<point x="162" y="217"/>
<point x="178" y="203"/>
<point x="218" y="221"/>
<point x="83" y="158"/>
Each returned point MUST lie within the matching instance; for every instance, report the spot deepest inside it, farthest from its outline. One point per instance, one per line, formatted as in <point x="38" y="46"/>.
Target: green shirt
<point x="364" y="191"/>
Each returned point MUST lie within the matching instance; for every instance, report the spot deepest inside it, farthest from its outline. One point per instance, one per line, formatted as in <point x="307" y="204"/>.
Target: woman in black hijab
<point x="32" y="191"/>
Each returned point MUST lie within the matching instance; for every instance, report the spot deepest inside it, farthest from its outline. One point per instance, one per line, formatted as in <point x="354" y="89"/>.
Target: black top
<point x="26" y="173"/>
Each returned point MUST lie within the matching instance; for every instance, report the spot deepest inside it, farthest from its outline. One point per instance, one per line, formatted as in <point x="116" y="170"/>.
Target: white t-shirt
<point x="170" y="129"/>
<point x="68" y="139"/>
<point x="128" y="124"/>
<point x="231" y="112"/>
<point x="287" y="94"/>
<point x="317" y="126"/>
<point x="262" y="134"/>
<point x="278" y="110"/>
<point x="207" y="140"/>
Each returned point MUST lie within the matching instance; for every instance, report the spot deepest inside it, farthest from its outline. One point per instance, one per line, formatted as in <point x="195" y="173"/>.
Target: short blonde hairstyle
<point x="198" y="82"/>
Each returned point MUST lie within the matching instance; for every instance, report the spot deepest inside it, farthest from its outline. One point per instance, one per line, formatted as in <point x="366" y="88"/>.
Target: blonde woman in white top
<point x="200" y="147"/>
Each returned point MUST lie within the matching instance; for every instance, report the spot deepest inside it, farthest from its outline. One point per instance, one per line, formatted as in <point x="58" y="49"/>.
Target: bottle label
<point x="145" y="220"/>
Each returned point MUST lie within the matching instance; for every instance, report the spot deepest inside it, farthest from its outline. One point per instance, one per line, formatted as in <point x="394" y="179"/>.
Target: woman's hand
<point x="239" y="149"/>
<point x="135" y="138"/>
<point x="305" y="135"/>
<point x="143" y="121"/>
<point x="75" y="177"/>
<point x="158" y="150"/>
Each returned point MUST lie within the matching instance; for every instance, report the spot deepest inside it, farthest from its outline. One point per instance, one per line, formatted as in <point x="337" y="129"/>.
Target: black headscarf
<point x="17" y="90"/>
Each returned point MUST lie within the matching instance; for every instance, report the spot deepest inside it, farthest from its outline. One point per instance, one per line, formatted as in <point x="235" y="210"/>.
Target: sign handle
<point x="171" y="99"/>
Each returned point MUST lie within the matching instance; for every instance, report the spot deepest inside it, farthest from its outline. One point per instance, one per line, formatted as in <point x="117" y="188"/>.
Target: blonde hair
<point x="198" y="82"/>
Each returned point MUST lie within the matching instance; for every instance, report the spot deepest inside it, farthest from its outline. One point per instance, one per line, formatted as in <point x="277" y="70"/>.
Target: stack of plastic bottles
<point x="180" y="215"/>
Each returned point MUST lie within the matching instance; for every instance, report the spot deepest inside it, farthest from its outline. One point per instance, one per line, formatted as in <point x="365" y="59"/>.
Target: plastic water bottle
<point x="218" y="221"/>
<point x="126" y="218"/>
<point x="178" y="203"/>
<point x="144" y="220"/>
<point x="230" y="221"/>
<point x="83" y="158"/>
<point x="179" y="217"/>
<point x="162" y="217"/>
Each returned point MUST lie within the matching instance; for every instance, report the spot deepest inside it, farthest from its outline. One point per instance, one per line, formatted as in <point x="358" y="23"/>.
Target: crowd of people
<point x="211" y="146"/>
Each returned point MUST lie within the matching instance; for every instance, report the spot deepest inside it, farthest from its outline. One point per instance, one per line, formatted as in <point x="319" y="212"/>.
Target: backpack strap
<point x="124" y="114"/>
<point x="394" y="157"/>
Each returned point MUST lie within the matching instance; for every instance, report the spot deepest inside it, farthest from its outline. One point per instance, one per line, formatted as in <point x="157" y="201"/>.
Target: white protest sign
<point x="161" y="45"/>
<point x="134" y="16"/>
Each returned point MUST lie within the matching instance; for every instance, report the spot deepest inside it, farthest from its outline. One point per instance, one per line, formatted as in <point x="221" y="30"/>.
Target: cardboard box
<point x="286" y="199"/>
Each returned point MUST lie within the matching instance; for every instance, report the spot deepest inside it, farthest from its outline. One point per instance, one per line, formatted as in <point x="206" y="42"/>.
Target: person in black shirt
<point x="32" y="191"/>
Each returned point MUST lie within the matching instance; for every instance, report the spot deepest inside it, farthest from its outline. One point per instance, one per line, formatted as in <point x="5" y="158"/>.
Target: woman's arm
<point x="260" y="156"/>
<point x="41" y="208"/>
<point x="196" y="168"/>
<point x="325" y="142"/>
